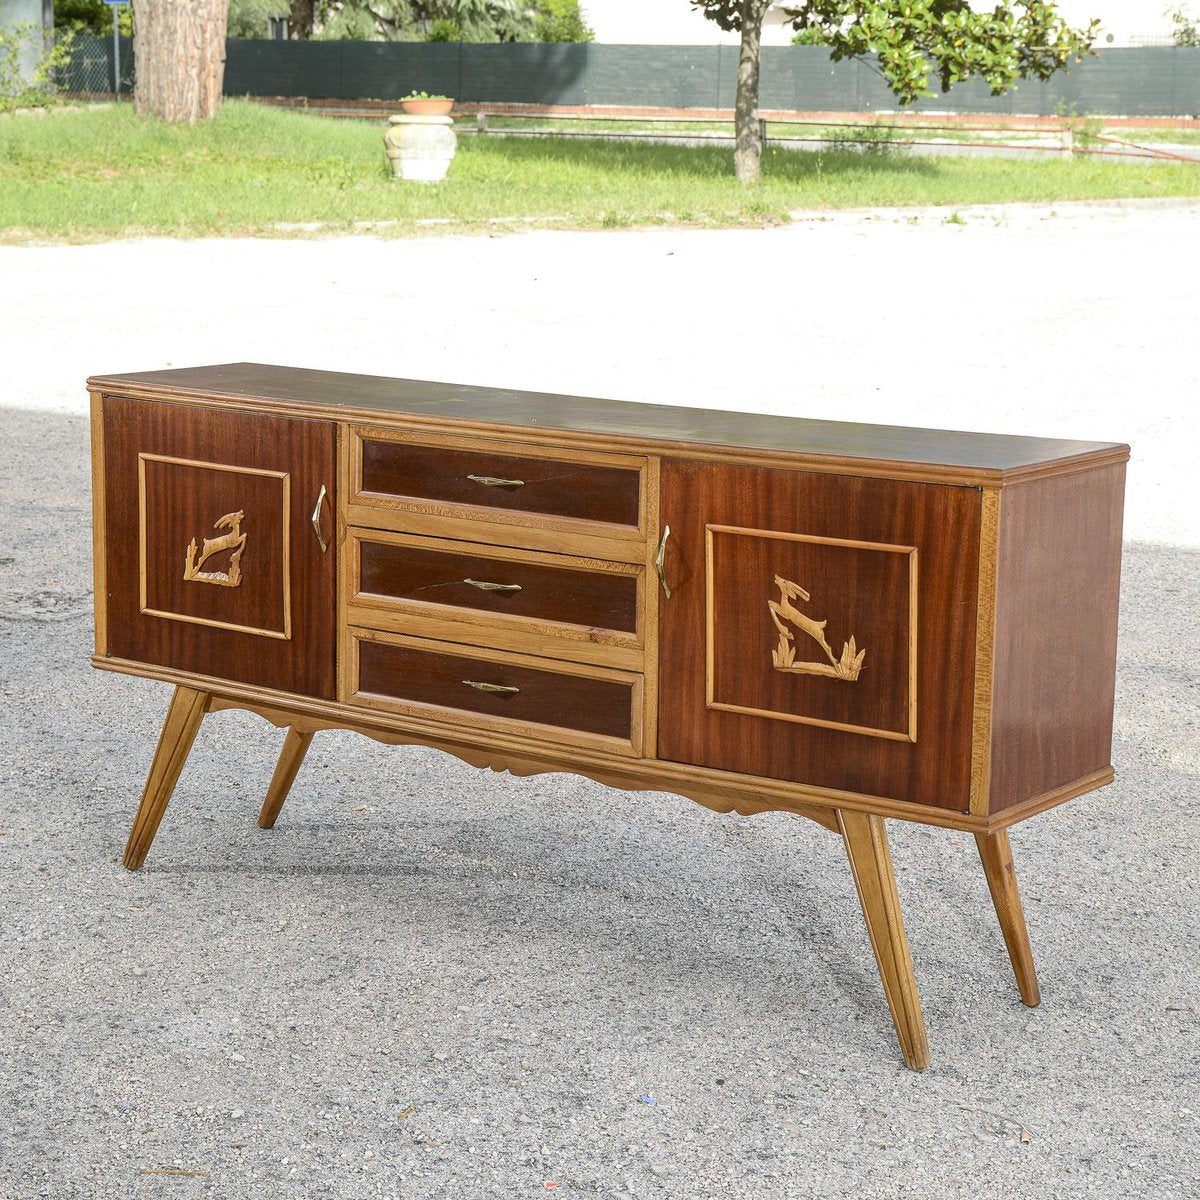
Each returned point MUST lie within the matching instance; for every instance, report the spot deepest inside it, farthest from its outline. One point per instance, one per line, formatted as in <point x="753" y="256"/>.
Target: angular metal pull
<point x="658" y="560"/>
<point x="497" y="688"/>
<point x="316" y="519"/>
<point x="493" y="481"/>
<point x="484" y="586"/>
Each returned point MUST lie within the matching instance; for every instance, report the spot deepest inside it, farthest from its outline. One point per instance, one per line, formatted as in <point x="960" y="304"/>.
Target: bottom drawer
<point x="493" y="689"/>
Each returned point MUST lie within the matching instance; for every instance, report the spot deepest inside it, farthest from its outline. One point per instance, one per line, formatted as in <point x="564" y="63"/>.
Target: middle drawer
<point x="562" y="606"/>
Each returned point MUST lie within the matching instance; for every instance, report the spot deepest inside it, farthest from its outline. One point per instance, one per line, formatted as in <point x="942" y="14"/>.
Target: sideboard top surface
<point x="982" y="457"/>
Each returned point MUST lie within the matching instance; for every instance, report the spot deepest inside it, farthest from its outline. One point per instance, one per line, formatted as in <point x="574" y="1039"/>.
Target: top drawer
<point x="540" y="488"/>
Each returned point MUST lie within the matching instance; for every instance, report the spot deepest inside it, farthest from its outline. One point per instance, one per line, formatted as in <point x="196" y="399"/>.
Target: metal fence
<point x="1125" y="82"/>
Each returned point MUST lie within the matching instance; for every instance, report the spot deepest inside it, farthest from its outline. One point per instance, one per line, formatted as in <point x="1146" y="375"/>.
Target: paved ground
<point x="435" y="982"/>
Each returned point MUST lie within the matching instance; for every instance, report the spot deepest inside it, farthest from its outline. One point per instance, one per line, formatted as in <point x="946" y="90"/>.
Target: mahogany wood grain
<point x="941" y="522"/>
<point x="291" y="755"/>
<point x="583" y="491"/>
<point x="995" y="852"/>
<point x="1054" y="674"/>
<point x="974" y="457"/>
<point x="182" y="502"/>
<point x="544" y="697"/>
<point x="603" y="600"/>
<point x="179" y="730"/>
<point x="871" y="861"/>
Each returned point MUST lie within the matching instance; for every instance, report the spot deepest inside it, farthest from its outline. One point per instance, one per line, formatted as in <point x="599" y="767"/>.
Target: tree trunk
<point x="180" y="57"/>
<point x="300" y="19"/>
<point x="747" y="146"/>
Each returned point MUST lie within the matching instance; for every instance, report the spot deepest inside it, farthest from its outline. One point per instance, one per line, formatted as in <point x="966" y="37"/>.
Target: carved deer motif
<point x="234" y="540"/>
<point x="783" y="656"/>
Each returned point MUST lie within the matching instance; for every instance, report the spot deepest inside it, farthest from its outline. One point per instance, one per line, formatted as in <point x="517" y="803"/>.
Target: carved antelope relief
<point x="783" y="656"/>
<point x="234" y="540"/>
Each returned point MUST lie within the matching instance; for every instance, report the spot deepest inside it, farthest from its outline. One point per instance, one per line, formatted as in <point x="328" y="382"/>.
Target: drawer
<point x="487" y="688"/>
<point x="412" y="584"/>
<point x="421" y="483"/>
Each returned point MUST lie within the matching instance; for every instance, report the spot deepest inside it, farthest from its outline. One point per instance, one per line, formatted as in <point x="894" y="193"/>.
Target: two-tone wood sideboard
<point x="846" y="622"/>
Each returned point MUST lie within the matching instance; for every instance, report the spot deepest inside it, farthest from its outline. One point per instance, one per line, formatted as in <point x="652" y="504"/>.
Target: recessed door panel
<point x="214" y="565"/>
<point x="821" y="629"/>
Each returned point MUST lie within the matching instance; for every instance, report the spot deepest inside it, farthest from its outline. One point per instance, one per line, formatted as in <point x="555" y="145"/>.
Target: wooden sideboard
<point x="846" y="622"/>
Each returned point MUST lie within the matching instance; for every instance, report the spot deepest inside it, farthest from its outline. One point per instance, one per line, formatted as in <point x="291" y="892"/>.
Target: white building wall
<point x="676" y="22"/>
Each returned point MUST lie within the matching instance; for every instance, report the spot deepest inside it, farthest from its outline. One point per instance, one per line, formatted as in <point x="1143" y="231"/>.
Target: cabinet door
<point x="821" y="629"/>
<point x="213" y="564"/>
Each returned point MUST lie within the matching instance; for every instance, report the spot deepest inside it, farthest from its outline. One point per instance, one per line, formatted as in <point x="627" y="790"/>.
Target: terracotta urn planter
<point x="420" y="147"/>
<point x="438" y="106"/>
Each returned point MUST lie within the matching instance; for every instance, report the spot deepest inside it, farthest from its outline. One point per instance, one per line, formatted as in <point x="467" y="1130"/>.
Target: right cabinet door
<point x="821" y="629"/>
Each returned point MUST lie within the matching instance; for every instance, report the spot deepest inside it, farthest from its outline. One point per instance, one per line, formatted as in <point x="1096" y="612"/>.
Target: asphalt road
<point x="430" y="981"/>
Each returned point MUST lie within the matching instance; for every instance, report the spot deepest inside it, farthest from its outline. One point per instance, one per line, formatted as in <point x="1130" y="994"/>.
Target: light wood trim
<point x="560" y="734"/>
<point x="907" y="735"/>
<point x="99" y="528"/>
<point x="390" y="612"/>
<point x="184" y="714"/>
<point x="875" y="879"/>
<point x="498" y="635"/>
<point x="574" y="527"/>
<point x="667" y="448"/>
<point x="661" y="775"/>
<point x="344" y="567"/>
<point x="291" y="755"/>
<point x="651" y="599"/>
<point x="487" y="757"/>
<point x="285" y="520"/>
<point x="472" y="526"/>
<point x="996" y="855"/>
<point x="985" y="651"/>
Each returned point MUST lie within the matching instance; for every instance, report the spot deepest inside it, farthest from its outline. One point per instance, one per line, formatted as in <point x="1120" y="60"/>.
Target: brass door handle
<point x="658" y="560"/>
<point x="494" y="481"/>
<point x="495" y="688"/>
<point x="484" y="586"/>
<point x="316" y="519"/>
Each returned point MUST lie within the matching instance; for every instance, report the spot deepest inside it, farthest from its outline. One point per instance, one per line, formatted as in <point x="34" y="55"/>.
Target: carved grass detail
<point x="848" y="667"/>
<point x="234" y="540"/>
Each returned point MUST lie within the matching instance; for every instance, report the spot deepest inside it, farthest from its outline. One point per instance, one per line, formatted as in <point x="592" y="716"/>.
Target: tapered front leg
<point x="871" y="862"/>
<point x="179" y="730"/>
<point x="996" y="853"/>
<point x="295" y="747"/>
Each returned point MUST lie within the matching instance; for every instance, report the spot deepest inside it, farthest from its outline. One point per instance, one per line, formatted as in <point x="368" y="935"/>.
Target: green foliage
<point x="36" y="89"/>
<point x="250" y="18"/>
<point x="1185" y="29"/>
<point x="93" y="16"/>
<point x="910" y="40"/>
<point x="424" y="96"/>
<point x="562" y="21"/>
<point x="445" y="31"/>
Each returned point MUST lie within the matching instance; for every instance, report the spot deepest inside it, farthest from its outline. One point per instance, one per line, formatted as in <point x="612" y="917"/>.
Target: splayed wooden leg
<point x="996" y="853"/>
<point x="184" y="715"/>
<point x="871" y="862"/>
<point x="295" y="747"/>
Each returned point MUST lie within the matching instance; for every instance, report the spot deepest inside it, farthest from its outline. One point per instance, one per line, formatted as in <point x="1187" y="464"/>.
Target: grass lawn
<point x="103" y="173"/>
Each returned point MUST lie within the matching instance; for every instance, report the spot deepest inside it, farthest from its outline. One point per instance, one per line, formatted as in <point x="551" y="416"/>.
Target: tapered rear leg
<point x="871" y="862"/>
<point x="179" y="730"/>
<point x="996" y="853"/>
<point x="295" y="747"/>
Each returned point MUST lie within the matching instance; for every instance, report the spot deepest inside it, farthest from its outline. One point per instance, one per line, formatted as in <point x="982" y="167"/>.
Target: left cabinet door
<point x="212" y="560"/>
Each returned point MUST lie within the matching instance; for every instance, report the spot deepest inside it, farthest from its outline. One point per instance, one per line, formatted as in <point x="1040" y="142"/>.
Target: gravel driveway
<point x="430" y="981"/>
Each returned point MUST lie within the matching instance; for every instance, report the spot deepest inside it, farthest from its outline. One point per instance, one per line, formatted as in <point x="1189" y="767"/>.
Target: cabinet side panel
<point x="1057" y="586"/>
<point x="211" y="563"/>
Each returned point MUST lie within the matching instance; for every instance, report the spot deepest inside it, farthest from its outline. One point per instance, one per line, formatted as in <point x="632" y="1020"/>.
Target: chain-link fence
<point x="90" y="71"/>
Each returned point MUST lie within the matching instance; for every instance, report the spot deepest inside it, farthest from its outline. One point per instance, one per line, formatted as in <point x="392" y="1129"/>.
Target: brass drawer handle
<point x="658" y="561"/>
<point x="493" y="481"/>
<point x="497" y="688"/>
<point x="316" y="519"/>
<point x="484" y="586"/>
